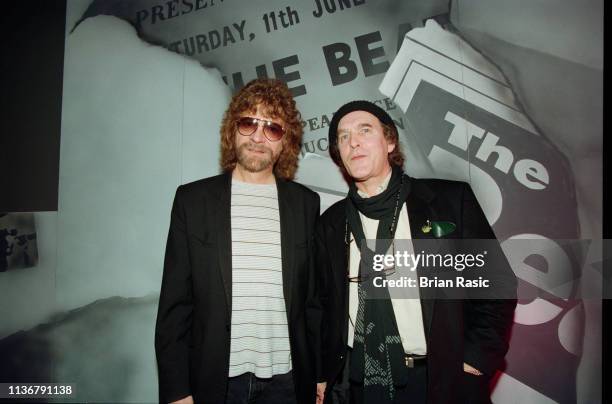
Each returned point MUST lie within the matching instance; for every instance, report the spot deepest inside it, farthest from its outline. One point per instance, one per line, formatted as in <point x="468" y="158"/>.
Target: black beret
<point x="360" y="105"/>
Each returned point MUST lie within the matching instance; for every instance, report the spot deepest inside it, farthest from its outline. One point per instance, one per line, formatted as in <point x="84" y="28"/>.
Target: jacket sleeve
<point x="487" y="321"/>
<point x="173" y="326"/>
<point x="314" y="310"/>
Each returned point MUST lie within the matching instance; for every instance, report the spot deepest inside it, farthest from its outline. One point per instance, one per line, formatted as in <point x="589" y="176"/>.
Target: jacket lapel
<point x="223" y="225"/>
<point x="287" y="228"/>
<point x="340" y="256"/>
<point x="340" y="265"/>
<point x="419" y="206"/>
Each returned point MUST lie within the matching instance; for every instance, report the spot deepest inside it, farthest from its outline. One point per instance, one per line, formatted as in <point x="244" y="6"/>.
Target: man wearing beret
<point x="391" y="350"/>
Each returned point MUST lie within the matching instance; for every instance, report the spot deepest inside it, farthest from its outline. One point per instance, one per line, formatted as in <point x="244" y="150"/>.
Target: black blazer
<point x="192" y="334"/>
<point x="456" y="331"/>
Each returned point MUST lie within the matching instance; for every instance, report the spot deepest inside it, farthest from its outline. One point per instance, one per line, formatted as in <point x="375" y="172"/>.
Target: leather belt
<point x="412" y="360"/>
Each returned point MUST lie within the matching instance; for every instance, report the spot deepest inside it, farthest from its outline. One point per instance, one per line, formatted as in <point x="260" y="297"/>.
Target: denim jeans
<point x="249" y="389"/>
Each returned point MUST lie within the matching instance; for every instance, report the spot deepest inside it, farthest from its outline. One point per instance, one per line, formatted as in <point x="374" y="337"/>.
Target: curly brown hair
<point x="395" y="158"/>
<point x="275" y="98"/>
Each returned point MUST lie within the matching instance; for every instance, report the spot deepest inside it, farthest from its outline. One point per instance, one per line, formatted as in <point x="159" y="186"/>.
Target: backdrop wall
<point x="506" y="96"/>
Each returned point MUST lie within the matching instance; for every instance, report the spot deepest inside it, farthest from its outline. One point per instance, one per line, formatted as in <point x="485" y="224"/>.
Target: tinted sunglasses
<point x="247" y="126"/>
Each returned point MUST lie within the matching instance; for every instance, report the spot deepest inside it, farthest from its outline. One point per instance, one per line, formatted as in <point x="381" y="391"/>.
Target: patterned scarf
<point x="377" y="359"/>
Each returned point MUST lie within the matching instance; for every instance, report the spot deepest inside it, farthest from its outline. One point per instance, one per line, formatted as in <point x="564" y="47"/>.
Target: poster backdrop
<point x="490" y="92"/>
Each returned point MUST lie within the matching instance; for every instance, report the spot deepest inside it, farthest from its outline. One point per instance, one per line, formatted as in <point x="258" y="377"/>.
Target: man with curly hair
<point x="238" y="318"/>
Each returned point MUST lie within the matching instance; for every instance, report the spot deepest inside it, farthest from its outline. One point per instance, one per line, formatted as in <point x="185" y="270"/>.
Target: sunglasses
<point x="273" y="131"/>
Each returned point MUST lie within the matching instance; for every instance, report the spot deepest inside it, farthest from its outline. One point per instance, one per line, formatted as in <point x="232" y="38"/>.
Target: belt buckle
<point x="409" y="361"/>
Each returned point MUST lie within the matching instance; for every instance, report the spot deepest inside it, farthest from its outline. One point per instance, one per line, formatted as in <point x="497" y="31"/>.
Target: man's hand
<point x="321" y="392"/>
<point x="471" y="370"/>
<point x="186" y="400"/>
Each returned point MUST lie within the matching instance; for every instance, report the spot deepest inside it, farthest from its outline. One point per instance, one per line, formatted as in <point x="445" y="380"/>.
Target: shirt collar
<point x="380" y="189"/>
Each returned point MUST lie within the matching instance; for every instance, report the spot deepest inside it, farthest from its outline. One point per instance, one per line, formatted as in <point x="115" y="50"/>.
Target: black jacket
<point x="456" y="331"/>
<point x="192" y="334"/>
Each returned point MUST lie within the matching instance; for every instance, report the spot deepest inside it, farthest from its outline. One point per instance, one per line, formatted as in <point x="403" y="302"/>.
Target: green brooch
<point x="440" y="229"/>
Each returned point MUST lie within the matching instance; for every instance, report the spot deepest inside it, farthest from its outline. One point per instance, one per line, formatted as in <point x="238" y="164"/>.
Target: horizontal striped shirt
<point x="259" y="333"/>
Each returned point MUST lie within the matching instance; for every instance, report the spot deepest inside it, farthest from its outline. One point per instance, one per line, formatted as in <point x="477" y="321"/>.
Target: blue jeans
<point x="249" y="389"/>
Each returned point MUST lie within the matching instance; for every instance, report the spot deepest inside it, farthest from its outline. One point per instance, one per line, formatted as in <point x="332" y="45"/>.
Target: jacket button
<point x="341" y="357"/>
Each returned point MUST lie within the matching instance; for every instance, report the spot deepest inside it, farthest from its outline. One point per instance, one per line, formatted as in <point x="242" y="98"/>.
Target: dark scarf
<point x="377" y="358"/>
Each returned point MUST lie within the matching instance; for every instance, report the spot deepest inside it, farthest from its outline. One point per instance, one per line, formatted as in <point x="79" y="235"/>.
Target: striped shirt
<point x="259" y="333"/>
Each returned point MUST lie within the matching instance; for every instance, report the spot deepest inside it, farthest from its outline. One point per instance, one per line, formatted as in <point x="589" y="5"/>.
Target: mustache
<point x="255" y="147"/>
